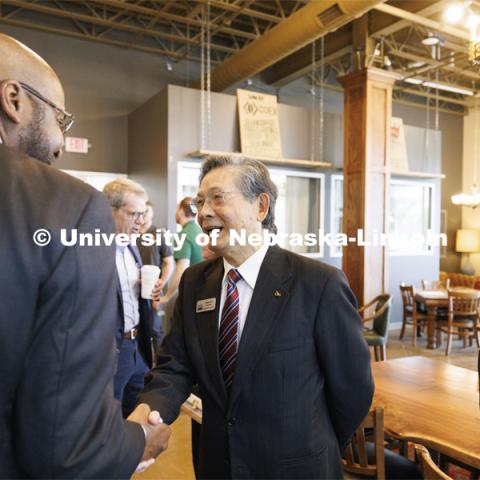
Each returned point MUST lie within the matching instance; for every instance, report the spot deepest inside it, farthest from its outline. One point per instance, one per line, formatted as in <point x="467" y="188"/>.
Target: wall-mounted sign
<point x="76" y="145"/>
<point x="259" y="126"/>
<point x="398" y="155"/>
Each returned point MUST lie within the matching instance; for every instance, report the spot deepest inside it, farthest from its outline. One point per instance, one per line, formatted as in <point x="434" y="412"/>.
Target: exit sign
<point x="76" y="145"/>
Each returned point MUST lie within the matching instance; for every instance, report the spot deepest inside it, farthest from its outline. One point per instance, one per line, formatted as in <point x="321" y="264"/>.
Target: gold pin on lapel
<point x="277" y="293"/>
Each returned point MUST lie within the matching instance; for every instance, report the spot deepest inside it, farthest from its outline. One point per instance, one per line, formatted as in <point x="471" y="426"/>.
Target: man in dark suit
<point x="272" y="338"/>
<point x="57" y="307"/>
<point x="134" y="323"/>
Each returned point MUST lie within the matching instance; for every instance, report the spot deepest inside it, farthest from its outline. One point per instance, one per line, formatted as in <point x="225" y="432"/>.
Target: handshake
<point x="156" y="434"/>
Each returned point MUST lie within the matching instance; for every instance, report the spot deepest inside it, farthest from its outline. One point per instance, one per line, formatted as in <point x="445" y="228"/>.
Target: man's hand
<point x="160" y="302"/>
<point x="161" y="283"/>
<point x="157" y="290"/>
<point x="157" y="433"/>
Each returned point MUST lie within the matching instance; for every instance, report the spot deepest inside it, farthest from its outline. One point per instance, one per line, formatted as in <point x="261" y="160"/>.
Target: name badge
<point x="206" y="305"/>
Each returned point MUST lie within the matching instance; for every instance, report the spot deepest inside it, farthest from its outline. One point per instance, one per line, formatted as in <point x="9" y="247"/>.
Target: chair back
<point x="408" y="296"/>
<point x="429" y="469"/>
<point x="381" y="323"/>
<point x="436" y="284"/>
<point x="356" y="460"/>
<point x="463" y="304"/>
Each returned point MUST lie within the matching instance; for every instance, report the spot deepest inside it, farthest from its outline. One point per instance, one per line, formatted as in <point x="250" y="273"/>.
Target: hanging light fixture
<point x="431" y="39"/>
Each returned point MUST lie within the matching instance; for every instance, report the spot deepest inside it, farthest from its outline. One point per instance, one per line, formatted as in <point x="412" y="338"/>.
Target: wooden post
<point x="367" y="113"/>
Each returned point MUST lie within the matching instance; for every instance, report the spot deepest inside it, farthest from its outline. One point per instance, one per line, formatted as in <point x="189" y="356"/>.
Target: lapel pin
<point x="277" y="293"/>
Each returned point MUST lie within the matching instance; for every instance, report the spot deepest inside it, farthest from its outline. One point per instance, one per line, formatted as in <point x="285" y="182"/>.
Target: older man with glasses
<point x="272" y="338"/>
<point x="134" y="327"/>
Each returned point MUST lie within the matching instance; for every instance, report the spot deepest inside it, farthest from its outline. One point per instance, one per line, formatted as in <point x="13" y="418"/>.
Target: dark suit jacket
<point x="302" y="382"/>
<point x="146" y="320"/>
<point x="58" y="417"/>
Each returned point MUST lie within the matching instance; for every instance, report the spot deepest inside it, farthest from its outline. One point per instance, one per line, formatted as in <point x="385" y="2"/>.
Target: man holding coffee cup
<point x="136" y="286"/>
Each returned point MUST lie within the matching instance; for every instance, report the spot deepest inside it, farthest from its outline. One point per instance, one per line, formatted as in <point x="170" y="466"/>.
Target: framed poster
<point x="259" y="125"/>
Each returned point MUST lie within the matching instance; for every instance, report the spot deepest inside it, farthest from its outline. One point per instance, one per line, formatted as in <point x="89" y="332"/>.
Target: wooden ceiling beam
<point x="295" y="65"/>
<point x="381" y="24"/>
<point x="421" y="20"/>
<point x="300" y="63"/>
<point x="435" y="63"/>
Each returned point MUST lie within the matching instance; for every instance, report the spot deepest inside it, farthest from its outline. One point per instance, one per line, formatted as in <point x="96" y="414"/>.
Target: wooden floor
<point x="176" y="462"/>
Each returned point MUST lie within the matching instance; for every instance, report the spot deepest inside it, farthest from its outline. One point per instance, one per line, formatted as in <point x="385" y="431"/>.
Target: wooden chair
<point x="436" y="284"/>
<point x="463" y="318"/>
<point x="411" y="316"/>
<point x="355" y="460"/>
<point x="377" y="336"/>
<point x="430" y="470"/>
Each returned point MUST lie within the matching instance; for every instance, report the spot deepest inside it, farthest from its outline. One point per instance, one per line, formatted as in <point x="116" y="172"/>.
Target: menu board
<point x="259" y="126"/>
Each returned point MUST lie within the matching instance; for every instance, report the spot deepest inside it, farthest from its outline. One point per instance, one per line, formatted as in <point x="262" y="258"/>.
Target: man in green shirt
<point x="190" y="252"/>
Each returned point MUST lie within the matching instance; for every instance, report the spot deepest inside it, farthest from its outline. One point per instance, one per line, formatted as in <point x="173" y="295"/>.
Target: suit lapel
<point x="269" y="296"/>
<point x="207" y="325"/>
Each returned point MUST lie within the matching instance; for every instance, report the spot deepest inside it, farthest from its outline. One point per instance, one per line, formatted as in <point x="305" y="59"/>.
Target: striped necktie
<point x="228" y="334"/>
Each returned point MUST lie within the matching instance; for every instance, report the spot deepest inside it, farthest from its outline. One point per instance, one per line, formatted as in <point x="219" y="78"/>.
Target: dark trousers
<point x="130" y="375"/>
<point x="157" y="331"/>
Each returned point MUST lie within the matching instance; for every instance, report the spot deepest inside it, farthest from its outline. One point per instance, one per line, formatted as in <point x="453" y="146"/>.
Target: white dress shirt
<point x="129" y="275"/>
<point x="249" y="271"/>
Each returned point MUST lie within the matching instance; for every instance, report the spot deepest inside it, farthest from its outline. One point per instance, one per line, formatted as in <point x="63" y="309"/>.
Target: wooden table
<point x="432" y="403"/>
<point x="434" y="299"/>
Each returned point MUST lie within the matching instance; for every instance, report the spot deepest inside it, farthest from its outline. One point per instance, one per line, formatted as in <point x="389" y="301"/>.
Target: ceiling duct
<point x="316" y="19"/>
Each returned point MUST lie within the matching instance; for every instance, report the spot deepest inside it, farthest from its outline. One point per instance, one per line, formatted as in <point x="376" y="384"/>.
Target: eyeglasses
<point x="135" y="215"/>
<point x="214" y="199"/>
<point x="65" y="120"/>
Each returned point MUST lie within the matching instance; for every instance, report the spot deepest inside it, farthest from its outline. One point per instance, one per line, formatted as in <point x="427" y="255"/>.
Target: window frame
<point x="429" y="250"/>
<point x="275" y="169"/>
<point x="308" y="174"/>
<point x="333" y="178"/>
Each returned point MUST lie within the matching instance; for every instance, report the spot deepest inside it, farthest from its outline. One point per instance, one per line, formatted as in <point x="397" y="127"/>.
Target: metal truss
<point x="170" y="28"/>
<point x="178" y="29"/>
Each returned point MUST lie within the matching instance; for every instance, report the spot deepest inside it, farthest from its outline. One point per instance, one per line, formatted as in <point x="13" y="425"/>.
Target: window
<point x="336" y="212"/>
<point x="187" y="179"/>
<point x="410" y="220"/>
<point x="299" y="208"/>
<point x="411" y="216"/>
<point x="302" y="213"/>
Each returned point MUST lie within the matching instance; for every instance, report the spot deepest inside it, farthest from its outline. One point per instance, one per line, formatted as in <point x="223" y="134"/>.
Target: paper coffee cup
<point x="149" y="275"/>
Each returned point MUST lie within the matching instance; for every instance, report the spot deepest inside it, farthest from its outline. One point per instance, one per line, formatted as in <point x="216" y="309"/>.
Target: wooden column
<point x="367" y="112"/>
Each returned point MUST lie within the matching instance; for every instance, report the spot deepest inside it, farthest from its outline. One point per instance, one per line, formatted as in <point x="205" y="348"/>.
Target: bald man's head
<point x="28" y="123"/>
